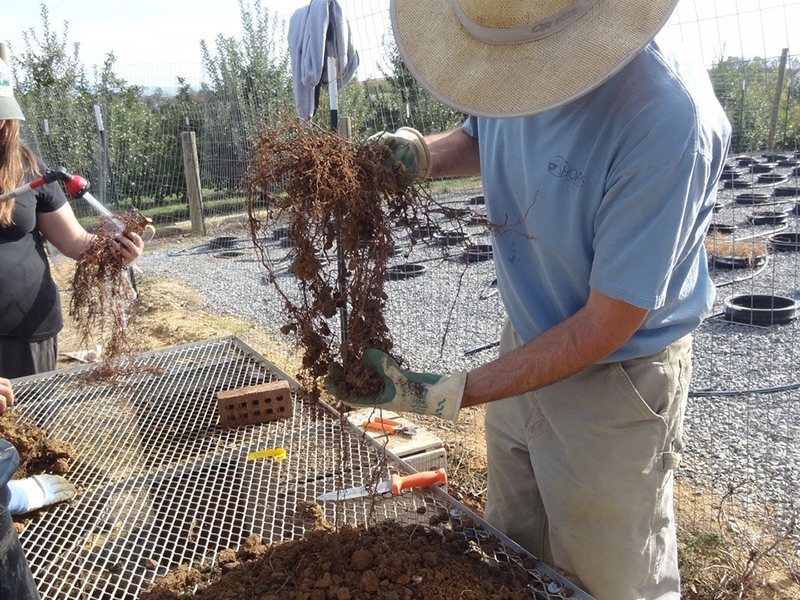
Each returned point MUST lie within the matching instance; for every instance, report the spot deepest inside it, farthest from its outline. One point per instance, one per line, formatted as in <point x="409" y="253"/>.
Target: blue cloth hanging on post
<point x="316" y="32"/>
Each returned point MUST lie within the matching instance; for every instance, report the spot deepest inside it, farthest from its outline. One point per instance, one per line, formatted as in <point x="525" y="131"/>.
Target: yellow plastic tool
<point x="276" y="454"/>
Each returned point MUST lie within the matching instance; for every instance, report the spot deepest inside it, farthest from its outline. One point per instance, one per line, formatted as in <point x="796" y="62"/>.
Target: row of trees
<point x="138" y="155"/>
<point x="746" y="89"/>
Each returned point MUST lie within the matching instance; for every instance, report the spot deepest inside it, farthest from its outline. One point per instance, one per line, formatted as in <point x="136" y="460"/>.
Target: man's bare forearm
<point x="593" y="333"/>
<point x="454" y="154"/>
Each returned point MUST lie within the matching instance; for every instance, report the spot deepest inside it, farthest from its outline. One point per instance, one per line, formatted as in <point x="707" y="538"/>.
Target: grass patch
<point x="174" y="213"/>
<point x="179" y="210"/>
<point x="726" y="553"/>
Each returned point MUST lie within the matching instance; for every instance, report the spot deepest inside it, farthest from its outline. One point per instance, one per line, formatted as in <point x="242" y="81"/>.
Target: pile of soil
<point x="38" y="453"/>
<point x="388" y="561"/>
<point x="102" y="301"/>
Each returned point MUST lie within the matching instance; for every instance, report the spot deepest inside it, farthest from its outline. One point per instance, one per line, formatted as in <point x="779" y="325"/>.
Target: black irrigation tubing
<point x="745" y="278"/>
<point x="728" y="393"/>
<point x="206" y="248"/>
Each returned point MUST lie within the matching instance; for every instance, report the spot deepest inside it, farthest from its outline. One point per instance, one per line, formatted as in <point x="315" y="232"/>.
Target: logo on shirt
<point x="559" y="167"/>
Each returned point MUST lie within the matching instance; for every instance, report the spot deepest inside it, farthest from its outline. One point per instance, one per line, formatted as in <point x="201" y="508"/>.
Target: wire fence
<point x="741" y="466"/>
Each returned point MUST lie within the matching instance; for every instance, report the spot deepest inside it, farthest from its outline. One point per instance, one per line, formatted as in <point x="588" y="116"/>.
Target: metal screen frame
<point x="160" y="483"/>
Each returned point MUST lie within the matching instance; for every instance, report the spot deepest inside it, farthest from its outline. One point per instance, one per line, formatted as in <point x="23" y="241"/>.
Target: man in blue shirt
<point x="600" y="152"/>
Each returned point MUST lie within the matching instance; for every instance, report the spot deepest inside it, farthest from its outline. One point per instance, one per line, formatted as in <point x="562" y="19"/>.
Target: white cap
<point x="9" y="108"/>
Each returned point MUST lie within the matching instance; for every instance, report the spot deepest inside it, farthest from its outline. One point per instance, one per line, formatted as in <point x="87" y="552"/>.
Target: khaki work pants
<point x="580" y="472"/>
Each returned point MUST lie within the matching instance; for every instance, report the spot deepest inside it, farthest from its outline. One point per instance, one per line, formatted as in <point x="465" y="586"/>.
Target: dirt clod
<point x="362" y="560"/>
<point x="38" y="453"/>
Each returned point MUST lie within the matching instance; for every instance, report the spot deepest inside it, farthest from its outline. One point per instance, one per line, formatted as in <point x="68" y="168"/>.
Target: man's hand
<point x="33" y="493"/>
<point x="409" y="149"/>
<point x="6" y="395"/>
<point x="406" y="391"/>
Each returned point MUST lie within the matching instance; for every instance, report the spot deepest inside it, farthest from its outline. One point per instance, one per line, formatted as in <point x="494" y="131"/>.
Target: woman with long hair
<point x="30" y="308"/>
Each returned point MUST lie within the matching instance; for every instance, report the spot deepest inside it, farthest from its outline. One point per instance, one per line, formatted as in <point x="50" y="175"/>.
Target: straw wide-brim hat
<point x="509" y="58"/>
<point x="9" y="109"/>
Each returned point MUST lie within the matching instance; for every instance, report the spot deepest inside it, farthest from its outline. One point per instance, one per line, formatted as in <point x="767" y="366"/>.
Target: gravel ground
<point x="734" y="437"/>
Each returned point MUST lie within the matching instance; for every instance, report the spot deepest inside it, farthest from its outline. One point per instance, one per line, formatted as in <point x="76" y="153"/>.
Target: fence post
<point x="194" y="193"/>
<point x="345" y="128"/>
<point x="776" y="104"/>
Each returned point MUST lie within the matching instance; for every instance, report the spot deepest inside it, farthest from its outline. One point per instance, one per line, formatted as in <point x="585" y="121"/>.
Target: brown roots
<point x="102" y="302"/>
<point x="331" y="194"/>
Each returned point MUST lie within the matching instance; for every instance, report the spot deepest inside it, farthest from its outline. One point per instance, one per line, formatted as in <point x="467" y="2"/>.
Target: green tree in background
<point x="746" y="90"/>
<point x="403" y="101"/>
<point x="250" y="84"/>
<point x="54" y="92"/>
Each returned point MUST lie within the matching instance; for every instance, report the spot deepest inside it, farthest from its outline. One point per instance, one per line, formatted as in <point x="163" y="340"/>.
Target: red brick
<point x="254" y="404"/>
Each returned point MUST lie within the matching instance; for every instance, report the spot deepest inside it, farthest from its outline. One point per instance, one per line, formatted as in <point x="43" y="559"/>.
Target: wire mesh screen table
<point x="160" y="483"/>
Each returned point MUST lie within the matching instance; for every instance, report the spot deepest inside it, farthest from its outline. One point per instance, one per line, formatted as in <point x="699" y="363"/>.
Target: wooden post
<point x="4" y="53"/>
<point x="194" y="193"/>
<point x="776" y="104"/>
<point x="345" y="128"/>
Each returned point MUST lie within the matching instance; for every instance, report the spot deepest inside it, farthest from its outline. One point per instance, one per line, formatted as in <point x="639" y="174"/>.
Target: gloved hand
<point x="32" y="493"/>
<point x="408" y="148"/>
<point x="406" y="391"/>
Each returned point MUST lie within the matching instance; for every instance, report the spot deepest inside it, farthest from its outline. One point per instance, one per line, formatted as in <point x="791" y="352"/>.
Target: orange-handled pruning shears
<point x="389" y="427"/>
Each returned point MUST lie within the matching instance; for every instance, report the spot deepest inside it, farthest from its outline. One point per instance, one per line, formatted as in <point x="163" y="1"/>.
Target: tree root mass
<point x="333" y="195"/>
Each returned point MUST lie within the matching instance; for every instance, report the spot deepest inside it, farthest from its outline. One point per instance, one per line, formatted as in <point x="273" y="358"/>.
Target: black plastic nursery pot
<point x="478" y="219"/>
<point x="771" y="178"/>
<point x="737" y="262"/>
<point x="753" y="197"/>
<point x="769" y="157"/>
<point x="450" y="212"/>
<point x="767" y="167"/>
<point x="746" y="161"/>
<point x="479" y="253"/>
<point x="731" y="173"/>
<point x="787" y="190"/>
<point x="229" y="254"/>
<point x="450" y="238"/>
<point x="789" y="162"/>
<point x="404" y="271"/>
<point x="718" y="206"/>
<point x="760" y="309"/>
<point x="223" y="241"/>
<point x="785" y="242"/>
<point x="477" y="200"/>
<point x="721" y="228"/>
<point x="424" y="231"/>
<point x="768" y="217"/>
<point x="736" y="184"/>
<point x="796" y="171"/>
<point x="281" y="233"/>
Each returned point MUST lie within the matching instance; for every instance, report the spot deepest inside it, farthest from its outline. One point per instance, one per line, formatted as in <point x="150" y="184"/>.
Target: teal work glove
<point x="33" y="493"/>
<point x="406" y="391"/>
<point x="408" y="148"/>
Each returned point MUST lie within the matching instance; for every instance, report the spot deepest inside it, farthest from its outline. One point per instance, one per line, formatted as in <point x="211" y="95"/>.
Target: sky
<point x="155" y="41"/>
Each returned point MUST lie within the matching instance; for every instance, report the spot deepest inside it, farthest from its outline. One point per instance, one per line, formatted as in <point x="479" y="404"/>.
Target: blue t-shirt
<point x="613" y="192"/>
